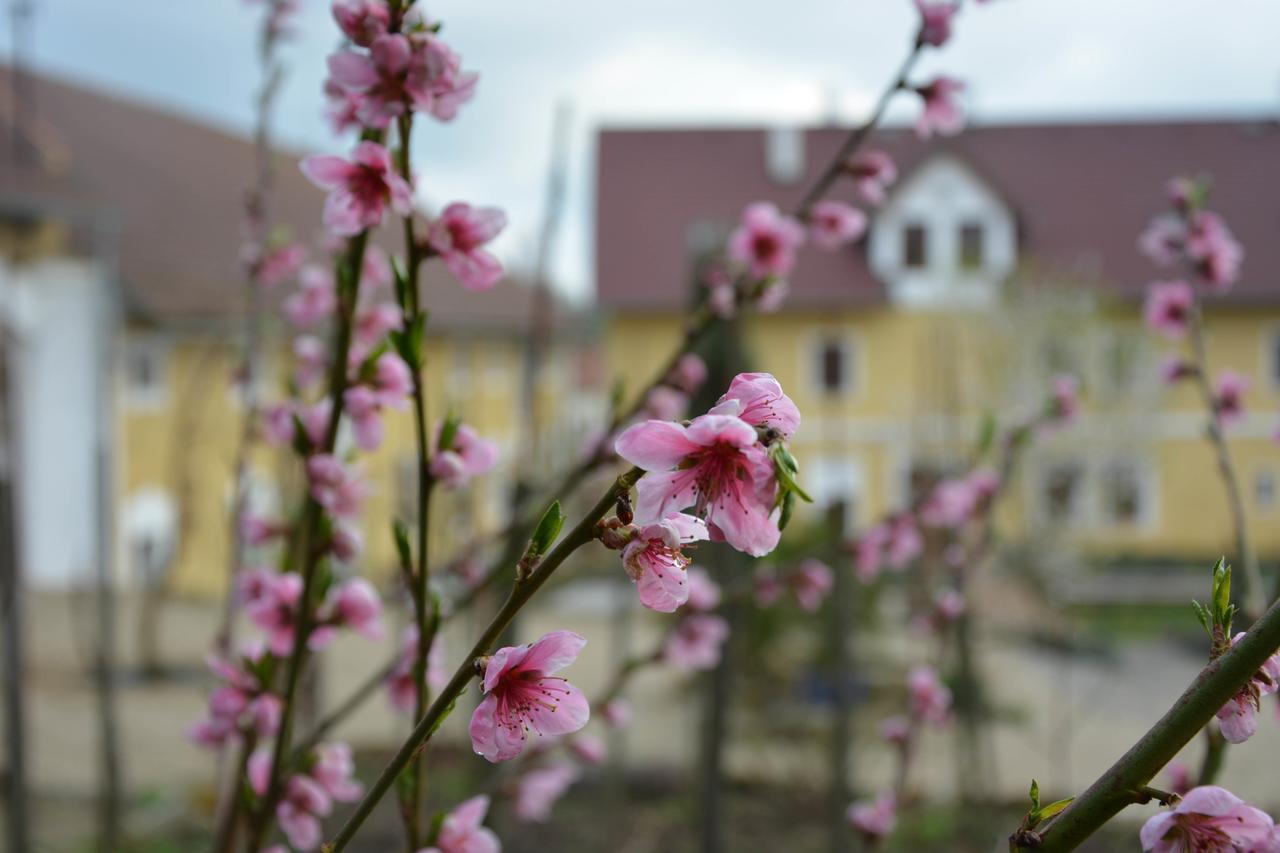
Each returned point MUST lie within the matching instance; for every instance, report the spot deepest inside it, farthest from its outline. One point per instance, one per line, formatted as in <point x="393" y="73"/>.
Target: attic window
<point x="784" y="154"/>
<point x="914" y="246"/>
<point x="971" y="246"/>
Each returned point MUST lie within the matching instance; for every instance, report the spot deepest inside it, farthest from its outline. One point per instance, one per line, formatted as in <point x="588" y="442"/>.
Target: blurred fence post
<point x="11" y="622"/>
<point x="715" y="723"/>
<point x="840" y="639"/>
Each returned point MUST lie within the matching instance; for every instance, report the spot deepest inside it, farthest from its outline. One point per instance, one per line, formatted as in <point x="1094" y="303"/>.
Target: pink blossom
<point x="935" y="21"/>
<point x="335" y="486"/>
<point x="342" y="107"/>
<point x="1168" y="308"/>
<point x="463" y="830"/>
<point x="1180" y="780"/>
<point x="588" y="749"/>
<point x="312" y="357"/>
<point x="257" y="530"/>
<point x="1238" y="719"/>
<point x="279" y="264"/>
<point x="772" y="296"/>
<point x="366" y="420"/>
<point x="930" y="698"/>
<point x="402" y="71"/>
<point x="346" y="542"/>
<point x="896" y="729"/>
<point x="1216" y="252"/>
<point x="315" y="299"/>
<point x="876" y="819"/>
<point x="872" y="173"/>
<point x="617" y="713"/>
<point x="1229" y="393"/>
<point x="469" y="456"/>
<point x="689" y="373"/>
<point x="372" y="324"/>
<point x="811" y="582"/>
<point x="704" y="593"/>
<point x="1175" y="368"/>
<point x="335" y="770"/>
<point x="723" y="300"/>
<point x="941" y="113"/>
<point x="355" y="604"/>
<point x="459" y="236"/>
<point x="1163" y="239"/>
<point x="758" y="399"/>
<point x="767" y="587"/>
<point x="254" y="584"/>
<point x="1065" y="406"/>
<point x="315" y="420"/>
<point x="656" y="563"/>
<point x="392" y="381"/>
<point x="275" y="608"/>
<point x="905" y="542"/>
<point x="538" y="790"/>
<point x="715" y="464"/>
<point x="1210" y="818"/>
<point x="695" y="643"/>
<point x="522" y="694"/>
<point x="305" y="802"/>
<point x="275" y="422"/>
<point x="766" y="241"/>
<point x="834" y="223"/>
<point x="362" y="21"/>
<point x="949" y="605"/>
<point x="665" y="403"/>
<point x="239" y="704"/>
<point x="360" y="189"/>
<point x="402" y="688"/>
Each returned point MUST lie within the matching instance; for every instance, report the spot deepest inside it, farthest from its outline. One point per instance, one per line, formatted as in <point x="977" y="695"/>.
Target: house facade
<point x="1001" y="257"/>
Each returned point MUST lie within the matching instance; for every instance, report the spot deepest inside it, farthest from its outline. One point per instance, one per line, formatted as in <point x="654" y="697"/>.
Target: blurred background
<point x="623" y="144"/>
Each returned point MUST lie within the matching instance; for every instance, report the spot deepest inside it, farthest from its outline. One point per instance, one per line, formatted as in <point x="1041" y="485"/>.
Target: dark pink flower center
<point x="523" y="695"/>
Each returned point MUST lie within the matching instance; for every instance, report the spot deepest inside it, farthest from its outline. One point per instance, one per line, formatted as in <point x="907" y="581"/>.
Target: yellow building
<point x="124" y="321"/>
<point x="1001" y="258"/>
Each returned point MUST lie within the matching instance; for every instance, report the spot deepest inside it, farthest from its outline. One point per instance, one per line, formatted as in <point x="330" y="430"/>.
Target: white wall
<point x="53" y="309"/>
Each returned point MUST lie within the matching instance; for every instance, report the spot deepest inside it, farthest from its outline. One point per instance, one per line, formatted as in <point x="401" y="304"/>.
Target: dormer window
<point x="784" y="154"/>
<point x="914" y="246"/>
<point x="972" y="249"/>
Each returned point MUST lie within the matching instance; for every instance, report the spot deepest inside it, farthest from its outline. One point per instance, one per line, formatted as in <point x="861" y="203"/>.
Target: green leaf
<point x="784" y="465"/>
<point x="401" y="534"/>
<point x="301" y="439"/>
<point x="448" y="431"/>
<point x="1055" y="807"/>
<point x="1222" y="610"/>
<point x="617" y="395"/>
<point x="402" y="283"/>
<point x="1206" y="619"/>
<point x="546" y="532"/>
<point x="986" y="433"/>
<point x="1035" y="795"/>
<point x="788" y="506"/>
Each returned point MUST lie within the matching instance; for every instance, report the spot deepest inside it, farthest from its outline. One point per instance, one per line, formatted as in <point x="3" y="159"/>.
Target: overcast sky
<point x="675" y="62"/>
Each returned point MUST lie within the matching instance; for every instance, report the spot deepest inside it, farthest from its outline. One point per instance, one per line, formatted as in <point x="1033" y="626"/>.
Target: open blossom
<point x="930" y="698"/>
<point x="1210" y="818"/>
<point x="1168" y="308"/>
<point x="459" y="236"/>
<point x="941" y="113"/>
<point x="309" y="796"/>
<point x="695" y="643"/>
<point x="1238" y="719"/>
<point x="1229" y="394"/>
<point x="523" y="694"/>
<point x="315" y="299"/>
<point x="311" y="358"/>
<point x="354" y="604"/>
<point x="362" y="21"/>
<point x="811" y="582"/>
<point x="274" y="608"/>
<point x="335" y="769"/>
<point x="665" y="403"/>
<point x="538" y="790"/>
<point x="366" y="418"/>
<point x="872" y="173"/>
<point x="468" y="456"/>
<point x="656" y="563"/>
<point x="1216" y="252"/>
<point x="1180" y="779"/>
<point x="399" y="72"/>
<point x="758" y="399"/>
<point x="402" y="690"/>
<point x="772" y="295"/>
<point x="360" y="189"/>
<point x="953" y="502"/>
<point x="1163" y="239"/>
<point x="463" y="830"/>
<point x="279" y="264"/>
<point x="715" y="464"/>
<point x="239" y="703"/>
<point x="373" y="321"/>
<point x="766" y="241"/>
<point x="834" y="223"/>
<point x="704" y="593"/>
<point x="335" y="486"/>
<point x="935" y="21"/>
<point x="876" y="819"/>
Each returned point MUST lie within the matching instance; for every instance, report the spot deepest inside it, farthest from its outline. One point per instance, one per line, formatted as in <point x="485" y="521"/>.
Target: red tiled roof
<point x="1081" y="194"/>
<point x="174" y="190"/>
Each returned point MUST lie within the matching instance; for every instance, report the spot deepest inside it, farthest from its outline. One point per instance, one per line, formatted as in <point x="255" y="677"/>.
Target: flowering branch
<point x="1216" y="685"/>
<point x="585" y="531"/>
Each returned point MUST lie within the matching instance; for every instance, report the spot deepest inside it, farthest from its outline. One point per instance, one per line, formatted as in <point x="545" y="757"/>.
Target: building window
<point x="836" y="481"/>
<point x="833" y="366"/>
<point x="784" y="154"/>
<point x="1264" y="489"/>
<point x="914" y="247"/>
<point x="1061" y="494"/>
<point x="971" y="246"/>
<point x="1123" y="498"/>
<point x="144" y="371"/>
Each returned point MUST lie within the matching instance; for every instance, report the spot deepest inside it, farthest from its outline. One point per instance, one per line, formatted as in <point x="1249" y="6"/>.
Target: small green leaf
<point x="448" y="431"/>
<point x="1054" y="807"/>
<point x="402" y="283"/>
<point x="1206" y="619"/>
<point x="788" y="506"/>
<point x="783" y="463"/>
<point x="546" y="532"/>
<point x="617" y="395"/>
<point x="987" y="433"/>
<point x="401" y="534"/>
<point x="1035" y="795"/>
<point x="301" y="439"/>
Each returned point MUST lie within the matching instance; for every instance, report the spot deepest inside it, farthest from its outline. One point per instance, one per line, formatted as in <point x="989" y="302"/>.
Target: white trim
<point x="1148" y="483"/>
<point x="1270" y="344"/>
<point x="853" y="376"/>
<point x="1079" y="514"/>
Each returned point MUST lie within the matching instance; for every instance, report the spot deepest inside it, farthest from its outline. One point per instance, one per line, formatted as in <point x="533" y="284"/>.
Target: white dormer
<point x="943" y="238"/>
